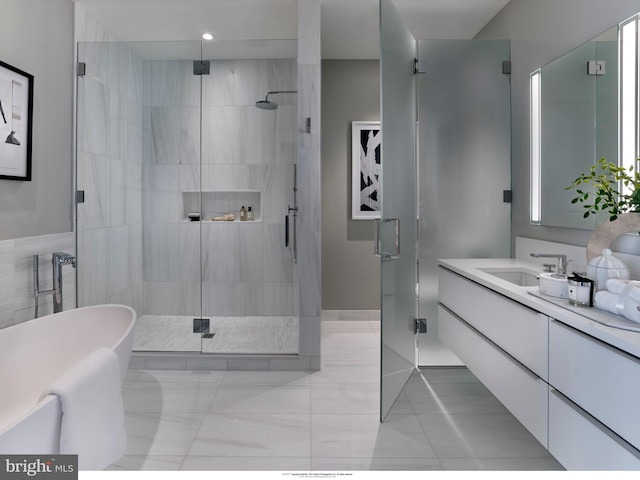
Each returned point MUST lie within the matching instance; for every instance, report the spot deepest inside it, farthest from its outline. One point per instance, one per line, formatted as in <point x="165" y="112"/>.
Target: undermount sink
<point x="518" y="276"/>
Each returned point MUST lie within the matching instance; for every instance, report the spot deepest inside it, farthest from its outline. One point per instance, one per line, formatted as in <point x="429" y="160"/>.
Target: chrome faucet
<point x="562" y="260"/>
<point x="58" y="259"/>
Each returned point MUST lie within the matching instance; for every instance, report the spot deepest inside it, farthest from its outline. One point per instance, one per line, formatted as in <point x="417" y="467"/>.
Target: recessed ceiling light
<point x="207" y="36"/>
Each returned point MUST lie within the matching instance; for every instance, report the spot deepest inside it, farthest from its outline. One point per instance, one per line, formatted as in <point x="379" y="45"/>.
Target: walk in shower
<point x="171" y="153"/>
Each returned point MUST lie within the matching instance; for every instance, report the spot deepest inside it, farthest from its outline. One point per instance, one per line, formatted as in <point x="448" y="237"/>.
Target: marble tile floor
<point x="233" y="335"/>
<point x="445" y="419"/>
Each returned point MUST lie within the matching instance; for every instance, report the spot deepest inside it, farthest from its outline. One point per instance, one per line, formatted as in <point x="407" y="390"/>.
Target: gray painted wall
<point x="36" y="36"/>
<point x="350" y="272"/>
<point x="541" y="31"/>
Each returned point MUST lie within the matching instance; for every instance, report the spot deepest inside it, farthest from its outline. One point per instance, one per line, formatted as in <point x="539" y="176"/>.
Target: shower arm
<point x="277" y="92"/>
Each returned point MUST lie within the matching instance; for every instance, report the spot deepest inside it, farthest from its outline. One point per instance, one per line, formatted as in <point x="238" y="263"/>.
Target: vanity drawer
<point x="523" y="393"/>
<point x="579" y="442"/>
<point x="520" y="331"/>
<point x="601" y="379"/>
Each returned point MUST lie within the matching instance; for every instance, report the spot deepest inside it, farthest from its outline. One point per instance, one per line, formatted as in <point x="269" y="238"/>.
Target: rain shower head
<point x="266" y="104"/>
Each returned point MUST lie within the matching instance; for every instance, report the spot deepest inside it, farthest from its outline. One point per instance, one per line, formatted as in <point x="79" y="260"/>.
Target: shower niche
<point x="218" y="205"/>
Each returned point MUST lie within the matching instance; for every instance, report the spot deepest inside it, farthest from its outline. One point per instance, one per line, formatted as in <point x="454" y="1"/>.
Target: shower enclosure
<point x="170" y="150"/>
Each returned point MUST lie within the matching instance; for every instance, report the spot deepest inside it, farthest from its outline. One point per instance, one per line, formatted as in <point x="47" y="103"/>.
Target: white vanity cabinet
<point x="518" y="330"/>
<point x="520" y="390"/>
<point x="487" y="332"/>
<point x="573" y="382"/>
<point x="580" y="442"/>
<point x="595" y="402"/>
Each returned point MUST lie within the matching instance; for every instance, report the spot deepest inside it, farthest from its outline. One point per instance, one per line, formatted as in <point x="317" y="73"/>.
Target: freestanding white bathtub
<point x="34" y="354"/>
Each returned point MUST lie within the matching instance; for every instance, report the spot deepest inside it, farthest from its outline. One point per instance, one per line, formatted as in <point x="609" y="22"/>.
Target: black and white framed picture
<point x="16" y="107"/>
<point x="366" y="170"/>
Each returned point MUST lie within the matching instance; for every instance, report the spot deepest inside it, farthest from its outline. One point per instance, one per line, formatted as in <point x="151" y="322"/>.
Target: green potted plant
<point x="599" y="190"/>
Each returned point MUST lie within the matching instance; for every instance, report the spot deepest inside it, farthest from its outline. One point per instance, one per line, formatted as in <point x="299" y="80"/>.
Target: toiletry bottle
<point x="243" y="214"/>
<point x="249" y="214"/>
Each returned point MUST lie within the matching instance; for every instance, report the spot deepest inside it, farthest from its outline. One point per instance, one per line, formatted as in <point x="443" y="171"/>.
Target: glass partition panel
<point x="464" y="165"/>
<point x="138" y="132"/>
<point x="399" y="214"/>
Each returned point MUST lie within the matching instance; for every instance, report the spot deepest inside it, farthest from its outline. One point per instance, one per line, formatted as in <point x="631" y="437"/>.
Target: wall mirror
<point x="577" y="123"/>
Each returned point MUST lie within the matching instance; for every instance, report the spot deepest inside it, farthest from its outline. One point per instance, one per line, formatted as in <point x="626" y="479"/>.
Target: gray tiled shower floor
<point x="233" y="335"/>
<point x="445" y="419"/>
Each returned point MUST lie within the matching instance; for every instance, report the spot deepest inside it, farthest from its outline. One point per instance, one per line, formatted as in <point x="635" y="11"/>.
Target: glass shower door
<point x="249" y="279"/>
<point x="398" y="226"/>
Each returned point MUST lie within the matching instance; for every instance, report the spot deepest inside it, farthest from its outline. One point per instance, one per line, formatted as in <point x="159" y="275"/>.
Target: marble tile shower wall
<point x="245" y="268"/>
<point x="109" y="170"/>
<point x="309" y="84"/>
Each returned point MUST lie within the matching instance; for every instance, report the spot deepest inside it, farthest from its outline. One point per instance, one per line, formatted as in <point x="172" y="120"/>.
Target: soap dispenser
<point x="243" y="214"/>
<point x="249" y="214"/>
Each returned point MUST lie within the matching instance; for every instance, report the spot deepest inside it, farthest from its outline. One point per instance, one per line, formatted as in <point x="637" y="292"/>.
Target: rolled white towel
<point x="632" y="310"/>
<point x="617" y="285"/>
<point x="631" y="291"/>
<point x="634" y="294"/>
<point x="606" y="300"/>
<point x="618" y="304"/>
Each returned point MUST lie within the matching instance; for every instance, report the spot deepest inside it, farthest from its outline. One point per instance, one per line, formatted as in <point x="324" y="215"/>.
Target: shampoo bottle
<point x="249" y="214"/>
<point x="243" y="214"/>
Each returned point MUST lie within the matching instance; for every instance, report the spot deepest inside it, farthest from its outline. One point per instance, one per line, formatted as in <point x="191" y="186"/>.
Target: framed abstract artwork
<point x="16" y="108"/>
<point x="366" y="170"/>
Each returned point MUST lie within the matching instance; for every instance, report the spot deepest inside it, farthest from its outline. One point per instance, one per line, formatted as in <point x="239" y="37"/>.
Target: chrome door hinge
<point x="201" y="67"/>
<point x="201" y="325"/>
<point x="596" y="67"/>
<point x="81" y="69"/>
<point x="416" y="67"/>
<point x="420" y="325"/>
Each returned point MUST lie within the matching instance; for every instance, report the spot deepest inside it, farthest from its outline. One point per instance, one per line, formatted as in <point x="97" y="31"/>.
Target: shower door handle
<point x="290" y="240"/>
<point x="286" y="230"/>
<point x="378" y="233"/>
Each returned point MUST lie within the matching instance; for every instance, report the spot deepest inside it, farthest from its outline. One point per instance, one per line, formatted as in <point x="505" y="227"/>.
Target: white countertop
<point x="470" y="268"/>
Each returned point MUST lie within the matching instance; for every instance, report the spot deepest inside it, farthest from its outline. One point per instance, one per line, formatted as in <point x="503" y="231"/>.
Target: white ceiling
<point x="349" y="27"/>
